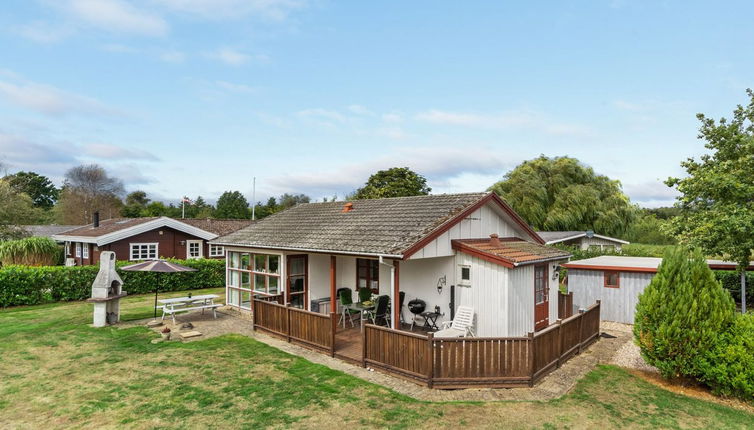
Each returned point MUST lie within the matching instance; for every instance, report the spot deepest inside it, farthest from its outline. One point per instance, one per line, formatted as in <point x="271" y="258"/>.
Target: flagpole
<point x="183" y="207"/>
<point x="254" y="198"/>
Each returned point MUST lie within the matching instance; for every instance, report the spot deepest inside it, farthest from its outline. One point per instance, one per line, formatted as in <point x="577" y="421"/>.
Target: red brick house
<point x="148" y="238"/>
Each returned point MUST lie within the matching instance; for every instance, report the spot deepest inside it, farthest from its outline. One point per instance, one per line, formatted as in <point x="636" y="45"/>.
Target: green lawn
<point x="57" y="372"/>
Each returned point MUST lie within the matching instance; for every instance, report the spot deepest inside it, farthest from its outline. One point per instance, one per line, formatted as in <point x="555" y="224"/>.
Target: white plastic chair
<point x="461" y="326"/>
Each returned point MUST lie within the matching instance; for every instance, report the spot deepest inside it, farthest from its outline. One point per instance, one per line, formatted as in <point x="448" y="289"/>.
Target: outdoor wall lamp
<point x="440" y="284"/>
<point x="183" y="243"/>
<point x="555" y="272"/>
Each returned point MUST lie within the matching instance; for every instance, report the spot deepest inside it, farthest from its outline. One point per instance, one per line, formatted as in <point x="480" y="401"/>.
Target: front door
<point x="541" y="302"/>
<point x="298" y="284"/>
<point x="194" y="249"/>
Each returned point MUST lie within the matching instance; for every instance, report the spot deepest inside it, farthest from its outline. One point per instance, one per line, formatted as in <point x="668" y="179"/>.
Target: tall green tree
<point x="680" y="314"/>
<point x="136" y="204"/>
<point x="290" y="200"/>
<point x="649" y="229"/>
<point x="393" y="182"/>
<point x="561" y="193"/>
<point x="16" y="209"/>
<point x="40" y="188"/>
<point x="232" y="205"/>
<point x="716" y="199"/>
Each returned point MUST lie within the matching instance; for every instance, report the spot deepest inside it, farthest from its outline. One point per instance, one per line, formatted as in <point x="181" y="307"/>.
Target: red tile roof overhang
<point x="470" y="249"/>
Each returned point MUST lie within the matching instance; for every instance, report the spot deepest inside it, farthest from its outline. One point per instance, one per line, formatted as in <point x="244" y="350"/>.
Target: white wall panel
<point x="618" y="304"/>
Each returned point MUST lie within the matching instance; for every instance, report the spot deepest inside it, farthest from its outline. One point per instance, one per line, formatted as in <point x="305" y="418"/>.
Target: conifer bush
<point x="728" y="367"/>
<point x="681" y="313"/>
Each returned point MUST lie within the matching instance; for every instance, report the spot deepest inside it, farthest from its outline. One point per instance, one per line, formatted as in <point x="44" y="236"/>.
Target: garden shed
<point x="617" y="282"/>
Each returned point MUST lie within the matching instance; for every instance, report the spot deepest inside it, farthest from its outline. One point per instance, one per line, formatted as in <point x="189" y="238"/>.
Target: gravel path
<point x="629" y="354"/>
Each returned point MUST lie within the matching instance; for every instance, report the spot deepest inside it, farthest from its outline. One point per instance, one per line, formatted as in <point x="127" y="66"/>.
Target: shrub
<point x="31" y="251"/>
<point x="25" y="285"/>
<point x="728" y="367"/>
<point x="680" y="313"/>
<point x="732" y="282"/>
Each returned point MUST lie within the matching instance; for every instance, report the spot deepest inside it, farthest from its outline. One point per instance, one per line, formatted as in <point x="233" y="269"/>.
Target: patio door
<point x="541" y="301"/>
<point x="298" y="282"/>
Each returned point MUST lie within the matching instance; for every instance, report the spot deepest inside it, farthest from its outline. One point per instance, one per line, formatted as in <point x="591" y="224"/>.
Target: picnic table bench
<point x="184" y="304"/>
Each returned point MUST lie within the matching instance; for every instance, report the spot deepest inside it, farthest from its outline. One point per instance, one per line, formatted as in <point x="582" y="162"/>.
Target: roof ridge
<point x="479" y="193"/>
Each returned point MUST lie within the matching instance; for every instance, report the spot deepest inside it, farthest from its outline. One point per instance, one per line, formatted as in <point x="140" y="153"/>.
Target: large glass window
<point x="252" y="273"/>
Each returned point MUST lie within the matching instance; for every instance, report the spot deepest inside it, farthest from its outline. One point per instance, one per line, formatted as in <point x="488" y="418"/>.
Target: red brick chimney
<point x="494" y="240"/>
<point x="348" y="207"/>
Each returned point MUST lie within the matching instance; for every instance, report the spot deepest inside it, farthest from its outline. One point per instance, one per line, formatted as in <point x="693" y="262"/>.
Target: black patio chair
<point x="365" y="294"/>
<point x="347" y="314"/>
<point x="380" y="311"/>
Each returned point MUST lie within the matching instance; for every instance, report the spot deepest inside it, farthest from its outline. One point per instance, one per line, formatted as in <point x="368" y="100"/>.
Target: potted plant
<point x="165" y="333"/>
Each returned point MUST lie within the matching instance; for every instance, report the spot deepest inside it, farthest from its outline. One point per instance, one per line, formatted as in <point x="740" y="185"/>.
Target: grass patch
<point x="59" y="372"/>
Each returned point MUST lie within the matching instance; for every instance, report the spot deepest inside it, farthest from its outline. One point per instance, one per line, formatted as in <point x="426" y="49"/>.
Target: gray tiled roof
<point x="549" y="236"/>
<point x="48" y="229"/>
<point x="379" y="226"/>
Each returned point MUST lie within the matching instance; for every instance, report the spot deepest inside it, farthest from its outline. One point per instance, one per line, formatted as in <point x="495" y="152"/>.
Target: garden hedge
<point x="25" y="285"/>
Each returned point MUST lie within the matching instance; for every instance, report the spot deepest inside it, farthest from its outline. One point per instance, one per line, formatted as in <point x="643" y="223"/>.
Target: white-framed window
<point x="85" y="251"/>
<point x="252" y="273"/>
<point x="216" y="250"/>
<point x="67" y="249"/>
<point x="464" y="275"/>
<point x="143" y="251"/>
<point x="194" y="249"/>
<point x="78" y="249"/>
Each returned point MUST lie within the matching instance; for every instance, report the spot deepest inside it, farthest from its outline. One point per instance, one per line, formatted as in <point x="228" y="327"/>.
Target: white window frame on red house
<point x="85" y="251"/>
<point x="78" y="249"/>
<point x="216" y="250"/>
<point x="141" y="253"/>
<point x="67" y="248"/>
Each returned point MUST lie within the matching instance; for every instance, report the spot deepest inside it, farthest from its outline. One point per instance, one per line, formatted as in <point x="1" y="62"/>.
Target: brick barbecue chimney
<point x="494" y="240"/>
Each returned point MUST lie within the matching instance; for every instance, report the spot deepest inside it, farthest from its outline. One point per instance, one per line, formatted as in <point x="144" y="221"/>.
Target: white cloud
<point x="50" y="100"/>
<point x="360" y="110"/>
<point x="118" y="48"/>
<point x="504" y="120"/>
<point x="109" y="151"/>
<point x="44" y="32"/>
<point x="235" y="88"/>
<point x="230" y="56"/>
<point x="223" y="9"/>
<point x="116" y="16"/>
<point x="651" y="193"/>
<point x="173" y="57"/>
<point x="438" y="165"/>
<point x="392" y="118"/>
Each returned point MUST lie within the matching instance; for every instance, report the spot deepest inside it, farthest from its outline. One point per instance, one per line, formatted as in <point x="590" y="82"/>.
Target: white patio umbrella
<point x="159" y="266"/>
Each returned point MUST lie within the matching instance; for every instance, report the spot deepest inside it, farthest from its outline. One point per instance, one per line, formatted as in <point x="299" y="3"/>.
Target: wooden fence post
<point x="333" y="329"/>
<point x="559" y="322"/>
<point x="253" y="314"/>
<point x="288" y="322"/>
<point x="531" y="359"/>
<point x="364" y="346"/>
<point x="581" y="330"/>
<point x="430" y="359"/>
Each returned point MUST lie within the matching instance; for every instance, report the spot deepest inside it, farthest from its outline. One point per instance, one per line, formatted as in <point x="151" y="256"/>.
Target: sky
<point x="196" y="97"/>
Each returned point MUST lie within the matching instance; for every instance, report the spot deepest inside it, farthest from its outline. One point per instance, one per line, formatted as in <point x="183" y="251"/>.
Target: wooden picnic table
<point x="184" y="304"/>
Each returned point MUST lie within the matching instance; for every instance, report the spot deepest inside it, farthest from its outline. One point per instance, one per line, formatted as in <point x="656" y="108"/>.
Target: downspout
<point x="393" y="299"/>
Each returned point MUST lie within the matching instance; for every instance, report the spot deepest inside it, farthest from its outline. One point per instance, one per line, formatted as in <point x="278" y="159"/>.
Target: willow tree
<point x="561" y="193"/>
<point x="716" y="198"/>
<point x="393" y="182"/>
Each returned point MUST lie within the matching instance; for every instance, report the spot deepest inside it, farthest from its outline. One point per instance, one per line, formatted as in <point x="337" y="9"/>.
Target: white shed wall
<point x="521" y="304"/>
<point x="618" y="304"/>
<point x="418" y="279"/>
<point x="488" y="295"/>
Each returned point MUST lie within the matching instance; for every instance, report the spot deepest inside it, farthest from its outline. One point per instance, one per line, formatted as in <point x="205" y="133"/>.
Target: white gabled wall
<point x="487" y="295"/>
<point x="521" y="303"/>
<point x="418" y="279"/>
<point x="480" y="224"/>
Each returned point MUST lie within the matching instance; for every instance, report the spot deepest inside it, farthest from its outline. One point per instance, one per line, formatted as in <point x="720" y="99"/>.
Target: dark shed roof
<point x="380" y="226"/>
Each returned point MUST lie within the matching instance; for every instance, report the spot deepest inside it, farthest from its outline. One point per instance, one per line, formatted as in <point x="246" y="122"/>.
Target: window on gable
<point x="464" y="275"/>
<point x="612" y="279"/>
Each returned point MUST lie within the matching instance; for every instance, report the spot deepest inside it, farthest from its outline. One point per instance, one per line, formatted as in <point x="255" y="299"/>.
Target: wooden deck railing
<point x="480" y="361"/>
<point x="442" y="362"/>
<point x="296" y="325"/>
<point x="565" y="305"/>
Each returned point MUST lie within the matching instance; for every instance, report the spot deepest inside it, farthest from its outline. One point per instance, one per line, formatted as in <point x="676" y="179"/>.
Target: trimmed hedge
<point x="25" y="285"/>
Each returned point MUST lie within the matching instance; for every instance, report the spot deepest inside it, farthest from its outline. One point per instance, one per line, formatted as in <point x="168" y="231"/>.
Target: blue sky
<point x="195" y="97"/>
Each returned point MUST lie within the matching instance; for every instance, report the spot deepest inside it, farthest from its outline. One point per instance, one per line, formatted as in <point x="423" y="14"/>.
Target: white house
<point x="448" y="250"/>
<point x="586" y="240"/>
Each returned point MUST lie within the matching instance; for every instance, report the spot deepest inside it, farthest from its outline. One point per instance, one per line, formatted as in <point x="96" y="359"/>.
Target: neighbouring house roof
<point x="114" y="229"/>
<point x="47" y="230"/>
<point x="510" y="252"/>
<point x="394" y="227"/>
<point x="551" y="237"/>
<point x="637" y="264"/>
